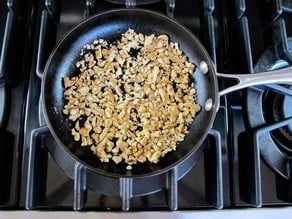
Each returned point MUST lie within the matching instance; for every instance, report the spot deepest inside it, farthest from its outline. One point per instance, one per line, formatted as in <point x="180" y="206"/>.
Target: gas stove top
<point x="246" y="160"/>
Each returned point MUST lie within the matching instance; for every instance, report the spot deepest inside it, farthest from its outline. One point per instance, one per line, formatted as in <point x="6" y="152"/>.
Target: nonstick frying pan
<point x="109" y="25"/>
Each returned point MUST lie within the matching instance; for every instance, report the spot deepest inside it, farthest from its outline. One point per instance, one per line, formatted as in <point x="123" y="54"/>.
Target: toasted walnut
<point x="133" y="100"/>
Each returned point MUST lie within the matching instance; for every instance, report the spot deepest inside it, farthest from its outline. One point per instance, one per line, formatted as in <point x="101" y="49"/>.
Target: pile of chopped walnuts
<point x="133" y="100"/>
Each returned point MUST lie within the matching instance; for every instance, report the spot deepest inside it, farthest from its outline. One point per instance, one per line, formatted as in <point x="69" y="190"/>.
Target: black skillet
<point x="109" y="25"/>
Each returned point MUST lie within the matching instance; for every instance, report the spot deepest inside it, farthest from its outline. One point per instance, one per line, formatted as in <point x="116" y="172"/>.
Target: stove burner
<point x="277" y="107"/>
<point x="287" y="111"/>
<point x="282" y="110"/>
<point x="269" y="113"/>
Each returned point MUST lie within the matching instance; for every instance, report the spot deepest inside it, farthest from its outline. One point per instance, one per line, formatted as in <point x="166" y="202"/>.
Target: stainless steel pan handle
<point x="281" y="76"/>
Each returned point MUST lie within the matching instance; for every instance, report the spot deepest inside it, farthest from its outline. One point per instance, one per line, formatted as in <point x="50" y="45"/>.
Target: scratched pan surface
<point x="109" y="25"/>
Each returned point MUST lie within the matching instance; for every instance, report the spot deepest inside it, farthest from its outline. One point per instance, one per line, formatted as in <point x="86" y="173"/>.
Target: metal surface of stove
<point x="233" y="171"/>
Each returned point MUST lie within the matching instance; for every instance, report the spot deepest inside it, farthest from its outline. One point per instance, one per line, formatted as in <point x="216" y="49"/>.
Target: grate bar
<point x="170" y="7"/>
<point x="126" y="188"/>
<point x="51" y="7"/>
<point x="130" y="3"/>
<point x="40" y="54"/>
<point x="80" y="191"/>
<point x="281" y="41"/>
<point x="172" y="188"/>
<point x="5" y="43"/>
<point x="214" y="172"/>
<point x="31" y="193"/>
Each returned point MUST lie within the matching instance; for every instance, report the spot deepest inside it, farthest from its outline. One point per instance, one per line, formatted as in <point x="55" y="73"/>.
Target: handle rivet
<point x="204" y="67"/>
<point x="208" y="104"/>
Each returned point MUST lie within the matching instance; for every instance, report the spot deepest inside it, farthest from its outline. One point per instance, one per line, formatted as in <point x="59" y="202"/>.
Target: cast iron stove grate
<point x="88" y="191"/>
<point x="13" y="87"/>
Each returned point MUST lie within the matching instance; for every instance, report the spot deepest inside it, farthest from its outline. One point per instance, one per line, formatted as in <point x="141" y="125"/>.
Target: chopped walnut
<point x="133" y="100"/>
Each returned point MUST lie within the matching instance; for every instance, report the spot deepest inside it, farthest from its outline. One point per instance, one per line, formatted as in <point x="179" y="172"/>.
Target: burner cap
<point x="287" y="111"/>
<point x="282" y="110"/>
<point x="267" y="107"/>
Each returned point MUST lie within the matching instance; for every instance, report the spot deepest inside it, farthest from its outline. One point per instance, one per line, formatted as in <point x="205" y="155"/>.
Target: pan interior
<point x="109" y="26"/>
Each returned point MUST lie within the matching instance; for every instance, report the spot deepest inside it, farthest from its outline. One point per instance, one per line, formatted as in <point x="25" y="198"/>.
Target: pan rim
<point x="197" y="146"/>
